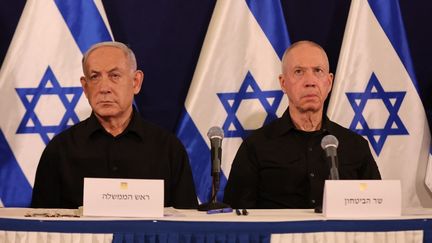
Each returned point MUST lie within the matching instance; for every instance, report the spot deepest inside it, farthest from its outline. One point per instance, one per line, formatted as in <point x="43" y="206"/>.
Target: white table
<point x="193" y="226"/>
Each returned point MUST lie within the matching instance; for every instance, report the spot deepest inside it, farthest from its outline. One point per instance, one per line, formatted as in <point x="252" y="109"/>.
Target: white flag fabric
<point x="40" y="91"/>
<point x="235" y="85"/>
<point x="375" y="94"/>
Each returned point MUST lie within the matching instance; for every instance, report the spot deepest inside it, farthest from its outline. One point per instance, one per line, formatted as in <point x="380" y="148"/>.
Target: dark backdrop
<point x="167" y="36"/>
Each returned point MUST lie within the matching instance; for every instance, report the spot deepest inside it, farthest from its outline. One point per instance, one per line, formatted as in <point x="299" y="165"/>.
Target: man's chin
<point x="106" y="113"/>
<point x="310" y="108"/>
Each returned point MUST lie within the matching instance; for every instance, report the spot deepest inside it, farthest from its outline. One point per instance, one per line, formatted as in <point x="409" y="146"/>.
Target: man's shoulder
<point x="156" y="133"/>
<point x="344" y="134"/>
<point x="267" y="131"/>
<point x="154" y="129"/>
<point x="68" y="134"/>
<point x="76" y="128"/>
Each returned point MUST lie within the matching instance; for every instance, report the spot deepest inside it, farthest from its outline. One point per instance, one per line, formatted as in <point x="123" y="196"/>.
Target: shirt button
<point x="313" y="201"/>
<point x="312" y="175"/>
<point x="114" y="168"/>
<point x="310" y="149"/>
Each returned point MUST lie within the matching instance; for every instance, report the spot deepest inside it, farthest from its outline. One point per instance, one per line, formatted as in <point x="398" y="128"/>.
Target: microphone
<point x="329" y="144"/>
<point x="215" y="134"/>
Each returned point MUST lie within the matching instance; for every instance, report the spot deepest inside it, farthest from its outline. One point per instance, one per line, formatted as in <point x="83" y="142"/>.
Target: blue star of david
<point x="30" y="97"/>
<point x="244" y="93"/>
<point x="393" y="125"/>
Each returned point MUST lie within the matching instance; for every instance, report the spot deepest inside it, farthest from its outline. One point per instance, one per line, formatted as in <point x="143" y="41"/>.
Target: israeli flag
<point x="235" y="85"/>
<point x="40" y="91"/>
<point x="375" y="94"/>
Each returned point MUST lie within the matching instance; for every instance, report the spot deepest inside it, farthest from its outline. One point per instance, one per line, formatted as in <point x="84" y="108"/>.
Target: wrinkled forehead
<point x="106" y="57"/>
<point x="306" y="55"/>
<point x="104" y="52"/>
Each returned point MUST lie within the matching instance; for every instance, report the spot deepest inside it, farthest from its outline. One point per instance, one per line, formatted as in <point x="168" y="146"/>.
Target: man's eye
<point x="320" y="72"/>
<point x="115" y="75"/>
<point x="298" y="71"/>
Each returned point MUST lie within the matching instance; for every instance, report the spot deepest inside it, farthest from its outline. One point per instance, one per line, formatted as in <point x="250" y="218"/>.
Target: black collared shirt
<point x="142" y="151"/>
<point x="278" y="166"/>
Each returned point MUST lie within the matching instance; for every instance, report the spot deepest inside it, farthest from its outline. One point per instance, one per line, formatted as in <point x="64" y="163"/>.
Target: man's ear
<point x="137" y="81"/>
<point x="84" y="85"/>
<point x="330" y="79"/>
<point x="282" y="83"/>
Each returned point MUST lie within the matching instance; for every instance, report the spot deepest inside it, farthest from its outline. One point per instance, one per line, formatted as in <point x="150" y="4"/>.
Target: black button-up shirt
<point x="142" y="151"/>
<point x="278" y="166"/>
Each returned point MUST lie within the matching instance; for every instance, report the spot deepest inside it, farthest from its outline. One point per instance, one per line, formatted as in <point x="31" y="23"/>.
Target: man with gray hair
<point x="114" y="142"/>
<point x="282" y="164"/>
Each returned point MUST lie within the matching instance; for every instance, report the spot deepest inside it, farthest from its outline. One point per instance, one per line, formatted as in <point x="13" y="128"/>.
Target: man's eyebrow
<point x="111" y="70"/>
<point x="299" y="66"/>
<point x="313" y="67"/>
<point x="323" y="67"/>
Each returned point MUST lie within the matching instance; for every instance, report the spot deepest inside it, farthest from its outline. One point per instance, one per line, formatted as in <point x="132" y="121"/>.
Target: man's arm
<point x="184" y="195"/>
<point x="242" y="187"/>
<point x="369" y="170"/>
<point x="46" y="190"/>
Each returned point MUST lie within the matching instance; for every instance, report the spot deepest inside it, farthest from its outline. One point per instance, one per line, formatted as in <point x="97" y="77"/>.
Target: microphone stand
<point x="334" y="175"/>
<point x="334" y="172"/>
<point x="216" y="135"/>
<point x="329" y="145"/>
<point x="214" y="204"/>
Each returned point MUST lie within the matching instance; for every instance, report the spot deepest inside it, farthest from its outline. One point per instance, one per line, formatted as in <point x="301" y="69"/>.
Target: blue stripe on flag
<point x="274" y="26"/>
<point x="389" y="16"/>
<point x="199" y="155"/>
<point x="270" y="18"/>
<point x="84" y="21"/>
<point x="18" y="191"/>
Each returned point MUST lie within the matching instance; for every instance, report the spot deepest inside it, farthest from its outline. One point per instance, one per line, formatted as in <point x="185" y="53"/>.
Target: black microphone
<point x="329" y="144"/>
<point x="215" y="134"/>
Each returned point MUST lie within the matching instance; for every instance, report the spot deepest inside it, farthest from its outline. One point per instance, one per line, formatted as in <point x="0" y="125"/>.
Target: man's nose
<point x="310" y="79"/>
<point x="105" y="85"/>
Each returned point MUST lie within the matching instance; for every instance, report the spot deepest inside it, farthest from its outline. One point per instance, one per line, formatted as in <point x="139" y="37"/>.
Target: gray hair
<point x="126" y="50"/>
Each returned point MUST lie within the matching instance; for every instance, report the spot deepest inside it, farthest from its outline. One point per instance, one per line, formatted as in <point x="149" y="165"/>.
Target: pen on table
<point x="220" y="210"/>
<point x="242" y="212"/>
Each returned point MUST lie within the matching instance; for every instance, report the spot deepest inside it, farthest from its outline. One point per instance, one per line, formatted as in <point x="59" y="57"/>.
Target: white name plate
<point x="362" y="198"/>
<point x="123" y="197"/>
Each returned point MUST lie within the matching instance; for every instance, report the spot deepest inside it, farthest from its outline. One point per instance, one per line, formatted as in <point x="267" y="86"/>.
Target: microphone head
<point x="329" y="141"/>
<point x="215" y="132"/>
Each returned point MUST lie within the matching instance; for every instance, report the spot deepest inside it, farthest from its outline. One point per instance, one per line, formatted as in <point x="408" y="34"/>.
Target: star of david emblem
<point x="30" y="97"/>
<point x="392" y="102"/>
<point x="249" y="89"/>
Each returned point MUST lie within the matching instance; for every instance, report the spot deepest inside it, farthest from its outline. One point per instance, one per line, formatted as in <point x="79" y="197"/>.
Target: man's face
<point x="110" y="83"/>
<point x="306" y="78"/>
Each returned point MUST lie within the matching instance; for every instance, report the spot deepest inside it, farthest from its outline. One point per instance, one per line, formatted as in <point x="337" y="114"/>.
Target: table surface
<point x="171" y="214"/>
<point x="258" y="223"/>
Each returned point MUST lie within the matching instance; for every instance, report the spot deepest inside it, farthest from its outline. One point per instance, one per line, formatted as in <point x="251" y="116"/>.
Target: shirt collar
<point x="285" y="124"/>
<point x="135" y="125"/>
